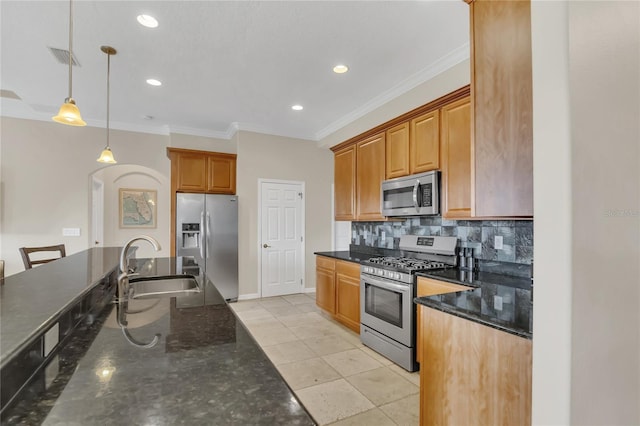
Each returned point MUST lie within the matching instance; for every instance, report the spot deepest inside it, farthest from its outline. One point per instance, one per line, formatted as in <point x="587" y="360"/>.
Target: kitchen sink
<point x="146" y="287"/>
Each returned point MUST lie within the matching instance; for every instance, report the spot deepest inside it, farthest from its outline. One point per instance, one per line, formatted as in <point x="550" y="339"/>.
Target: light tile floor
<point x="340" y="381"/>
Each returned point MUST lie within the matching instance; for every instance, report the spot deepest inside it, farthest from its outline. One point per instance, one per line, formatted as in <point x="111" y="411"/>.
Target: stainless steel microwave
<point x="415" y="195"/>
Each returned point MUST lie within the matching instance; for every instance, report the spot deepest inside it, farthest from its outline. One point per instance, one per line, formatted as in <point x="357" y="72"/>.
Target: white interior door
<point x="281" y="242"/>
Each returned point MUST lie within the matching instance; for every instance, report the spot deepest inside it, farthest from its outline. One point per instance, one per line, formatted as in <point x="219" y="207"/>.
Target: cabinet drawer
<point x="325" y="263"/>
<point x="350" y="269"/>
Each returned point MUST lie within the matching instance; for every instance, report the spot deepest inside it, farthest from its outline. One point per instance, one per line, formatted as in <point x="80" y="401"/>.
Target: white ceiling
<point x="227" y="65"/>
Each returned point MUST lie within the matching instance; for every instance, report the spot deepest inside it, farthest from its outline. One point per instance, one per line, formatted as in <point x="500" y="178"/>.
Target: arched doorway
<point x="105" y="217"/>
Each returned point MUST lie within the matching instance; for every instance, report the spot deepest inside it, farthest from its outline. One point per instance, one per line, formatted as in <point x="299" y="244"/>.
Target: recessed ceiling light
<point x="154" y="82"/>
<point x="147" y="21"/>
<point x="340" y="69"/>
<point x="297" y="107"/>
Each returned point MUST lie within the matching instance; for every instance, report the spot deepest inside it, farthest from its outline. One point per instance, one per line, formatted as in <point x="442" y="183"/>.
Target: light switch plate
<point x="497" y="244"/>
<point x="383" y="236"/>
<point x="70" y="232"/>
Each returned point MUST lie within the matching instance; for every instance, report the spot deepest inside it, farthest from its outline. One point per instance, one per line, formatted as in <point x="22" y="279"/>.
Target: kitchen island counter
<point x="31" y="300"/>
<point x="205" y="369"/>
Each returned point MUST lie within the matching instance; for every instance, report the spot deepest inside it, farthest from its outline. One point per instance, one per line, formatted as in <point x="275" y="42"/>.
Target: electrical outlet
<point x="497" y="303"/>
<point x="497" y="242"/>
<point x="365" y="234"/>
<point x="383" y="236"/>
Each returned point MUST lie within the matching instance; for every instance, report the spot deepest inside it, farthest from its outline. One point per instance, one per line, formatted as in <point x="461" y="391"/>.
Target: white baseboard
<point x="257" y="295"/>
<point x="249" y="296"/>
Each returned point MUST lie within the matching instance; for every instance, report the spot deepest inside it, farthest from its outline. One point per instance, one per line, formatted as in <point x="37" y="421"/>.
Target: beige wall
<point x="46" y="183"/>
<point x="605" y="128"/>
<point x="586" y="83"/>
<point x="275" y="157"/>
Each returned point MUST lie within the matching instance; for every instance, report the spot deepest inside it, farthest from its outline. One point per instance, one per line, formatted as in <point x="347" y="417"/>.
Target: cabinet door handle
<point x="265" y="245"/>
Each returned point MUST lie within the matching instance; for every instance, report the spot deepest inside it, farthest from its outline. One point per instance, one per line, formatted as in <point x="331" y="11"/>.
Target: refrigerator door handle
<point x="202" y="232"/>
<point x="209" y="236"/>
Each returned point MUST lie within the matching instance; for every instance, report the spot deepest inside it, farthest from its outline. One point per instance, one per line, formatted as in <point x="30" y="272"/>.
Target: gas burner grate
<point x="406" y="263"/>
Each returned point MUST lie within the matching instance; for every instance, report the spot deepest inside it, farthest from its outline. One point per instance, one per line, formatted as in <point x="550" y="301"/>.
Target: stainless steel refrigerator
<point x="207" y="229"/>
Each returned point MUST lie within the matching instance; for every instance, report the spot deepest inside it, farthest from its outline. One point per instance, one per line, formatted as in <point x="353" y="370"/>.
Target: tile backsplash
<point x="517" y="235"/>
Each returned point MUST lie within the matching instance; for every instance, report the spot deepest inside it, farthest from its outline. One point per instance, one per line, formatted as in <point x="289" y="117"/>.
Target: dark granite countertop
<point x="349" y="256"/>
<point x="30" y="300"/>
<point x="478" y="304"/>
<point x="206" y="369"/>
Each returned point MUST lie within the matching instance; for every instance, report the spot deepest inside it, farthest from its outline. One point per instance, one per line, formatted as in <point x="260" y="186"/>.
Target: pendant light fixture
<point x="69" y="113"/>
<point x="107" y="156"/>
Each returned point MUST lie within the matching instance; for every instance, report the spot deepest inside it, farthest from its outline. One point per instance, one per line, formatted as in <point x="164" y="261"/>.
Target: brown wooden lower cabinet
<point x="338" y="290"/>
<point x="472" y="374"/>
<point x="430" y="287"/>
<point x="326" y="283"/>
<point x="348" y="294"/>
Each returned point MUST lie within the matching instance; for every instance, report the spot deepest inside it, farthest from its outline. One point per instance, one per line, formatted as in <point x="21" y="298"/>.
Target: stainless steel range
<point x="387" y="290"/>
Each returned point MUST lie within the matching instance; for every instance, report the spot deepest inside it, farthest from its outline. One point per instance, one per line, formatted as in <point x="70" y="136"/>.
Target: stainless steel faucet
<point x="123" y="290"/>
<point x="123" y="278"/>
<point x="124" y="267"/>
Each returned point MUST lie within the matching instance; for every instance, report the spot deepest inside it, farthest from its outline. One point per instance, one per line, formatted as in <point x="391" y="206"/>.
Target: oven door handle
<point x="415" y="195"/>
<point x="387" y="285"/>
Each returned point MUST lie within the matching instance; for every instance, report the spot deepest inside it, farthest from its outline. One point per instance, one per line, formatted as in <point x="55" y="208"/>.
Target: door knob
<point x="265" y="245"/>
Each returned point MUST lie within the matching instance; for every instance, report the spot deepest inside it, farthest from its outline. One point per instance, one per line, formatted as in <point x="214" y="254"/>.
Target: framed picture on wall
<point x="138" y="208"/>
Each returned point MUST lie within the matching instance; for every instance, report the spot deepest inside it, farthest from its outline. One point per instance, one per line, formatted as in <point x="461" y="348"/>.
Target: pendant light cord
<point x="108" y="91"/>
<point x="70" y="43"/>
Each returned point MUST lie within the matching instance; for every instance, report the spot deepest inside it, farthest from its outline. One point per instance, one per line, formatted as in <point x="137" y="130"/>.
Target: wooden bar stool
<point x="26" y="252"/>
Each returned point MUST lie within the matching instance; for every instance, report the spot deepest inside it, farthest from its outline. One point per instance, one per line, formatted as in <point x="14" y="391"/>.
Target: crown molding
<point x="22" y="111"/>
<point x="248" y="127"/>
<point x="444" y="63"/>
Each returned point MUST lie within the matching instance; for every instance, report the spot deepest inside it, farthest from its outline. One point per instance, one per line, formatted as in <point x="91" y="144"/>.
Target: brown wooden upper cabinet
<point x="413" y="146"/>
<point x="370" y="172"/>
<point x="344" y="168"/>
<point x="455" y="197"/>
<point x="424" y="143"/>
<point x="359" y="170"/>
<point x="501" y="93"/>
<point x="221" y="174"/>
<point x="397" y="151"/>
<point x="202" y="171"/>
<point x="405" y="145"/>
